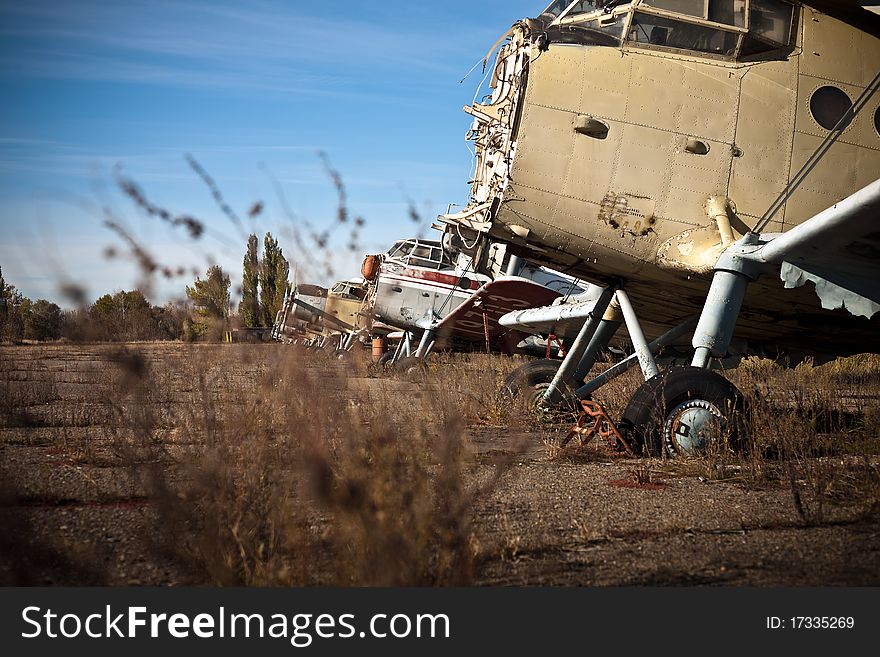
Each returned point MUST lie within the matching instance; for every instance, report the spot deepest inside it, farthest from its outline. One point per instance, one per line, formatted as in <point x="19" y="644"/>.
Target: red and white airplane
<point x="433" y="292"/>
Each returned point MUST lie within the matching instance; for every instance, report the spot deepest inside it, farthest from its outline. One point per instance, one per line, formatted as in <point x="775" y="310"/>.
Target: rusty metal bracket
<point x="551" y="340"/>
<point x="593" y="421"/>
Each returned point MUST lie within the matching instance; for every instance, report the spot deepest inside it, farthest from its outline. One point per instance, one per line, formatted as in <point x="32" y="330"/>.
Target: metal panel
<point x="656" y="98"/>
<point x="765" y="122"/>
<point x="561" y="77"/>
<point x="694" y="178"/>
<point x="844" y="169"/>
<point x="542" y="159"/>
<point x="824" y="57"/>
<point x="606" y="87"/>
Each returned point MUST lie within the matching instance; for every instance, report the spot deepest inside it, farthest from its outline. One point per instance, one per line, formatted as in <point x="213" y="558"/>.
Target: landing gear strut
<point x="680" y="411"/>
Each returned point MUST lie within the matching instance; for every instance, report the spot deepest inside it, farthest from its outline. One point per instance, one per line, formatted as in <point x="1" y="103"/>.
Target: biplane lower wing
<point x="838" y="250"/>
<point x="476" y="320"/>
<point x="325" y="316"/>
<point x="563" y="320"/>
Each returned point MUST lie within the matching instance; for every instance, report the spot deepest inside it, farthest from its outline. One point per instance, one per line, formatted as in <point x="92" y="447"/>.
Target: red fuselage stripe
<point x="386" y="278"/>
<point x="436" y="276"/>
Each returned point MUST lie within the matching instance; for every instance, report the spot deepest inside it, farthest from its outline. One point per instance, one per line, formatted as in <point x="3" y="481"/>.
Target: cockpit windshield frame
<point x="553" y="9"/>
<point x="428" y="254"/>
<point x="348" y="290"/>
<point x="623" y="14"/>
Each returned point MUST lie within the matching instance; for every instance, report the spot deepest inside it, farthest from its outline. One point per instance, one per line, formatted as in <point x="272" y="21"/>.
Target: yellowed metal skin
<point x="342" y="304"/>
<point x="346" y="310"/>
<point x="695" y="148"/>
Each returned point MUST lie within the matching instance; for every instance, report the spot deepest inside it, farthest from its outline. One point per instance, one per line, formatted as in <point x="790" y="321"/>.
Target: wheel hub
<point x="692" y="426"/>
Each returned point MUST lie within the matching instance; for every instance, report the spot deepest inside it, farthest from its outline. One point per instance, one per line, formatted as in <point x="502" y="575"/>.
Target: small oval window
<point x="465" y="283"/>
<point x="829" y="105"/>
<point x="877" y="120"/>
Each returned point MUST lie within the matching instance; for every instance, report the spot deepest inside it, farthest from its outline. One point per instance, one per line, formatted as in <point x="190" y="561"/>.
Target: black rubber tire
<point x="382" y="363"/>
<point x="645" y="418"/>
<point x="533" y="379"/>
<point x="410" y="366"/>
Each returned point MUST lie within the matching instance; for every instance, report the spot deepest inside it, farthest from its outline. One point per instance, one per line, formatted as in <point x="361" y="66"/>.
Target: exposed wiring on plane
<point x="468" y="247"/>
<point x="489" y="72"/>
<point x="473" y="152"/>
<point x="474" y="102"/>
<point x="481" y="60"/>
<point x="832" y="136"/>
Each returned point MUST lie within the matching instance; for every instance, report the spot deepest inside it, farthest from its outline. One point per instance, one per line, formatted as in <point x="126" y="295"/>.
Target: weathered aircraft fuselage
<point x="417" y="284"/>
<point x="632" y="143"/>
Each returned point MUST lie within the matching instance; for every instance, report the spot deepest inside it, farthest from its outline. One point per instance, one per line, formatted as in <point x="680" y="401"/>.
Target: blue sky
<point x="250" y="89"/>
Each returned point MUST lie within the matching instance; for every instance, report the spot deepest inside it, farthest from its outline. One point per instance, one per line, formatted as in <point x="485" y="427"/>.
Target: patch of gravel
<point x="565" y="524"/>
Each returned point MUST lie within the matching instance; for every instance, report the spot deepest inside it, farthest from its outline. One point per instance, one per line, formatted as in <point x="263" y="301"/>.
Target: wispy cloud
<point x="258" y="47"/>
<point x="87" y="85"/>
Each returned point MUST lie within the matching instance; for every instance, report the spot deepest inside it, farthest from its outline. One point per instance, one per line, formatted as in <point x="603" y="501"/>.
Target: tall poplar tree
<point x="250" y="303"/>
<point x="273" y="279"/>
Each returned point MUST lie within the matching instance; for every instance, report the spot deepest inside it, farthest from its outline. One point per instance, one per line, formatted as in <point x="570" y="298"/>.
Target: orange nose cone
<point x="370" y="268"/>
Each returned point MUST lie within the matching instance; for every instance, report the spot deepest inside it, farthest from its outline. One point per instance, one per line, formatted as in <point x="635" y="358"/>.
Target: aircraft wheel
<point x="532" y="381"/>
<point x="685" y="410"/>
<point x="342" y="355"/>
<point x="384" y="361"/>
<point x="410" y="366"/>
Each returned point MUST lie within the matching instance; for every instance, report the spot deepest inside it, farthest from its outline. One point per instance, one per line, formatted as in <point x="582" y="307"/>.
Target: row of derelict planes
<point x="704" y="173"/>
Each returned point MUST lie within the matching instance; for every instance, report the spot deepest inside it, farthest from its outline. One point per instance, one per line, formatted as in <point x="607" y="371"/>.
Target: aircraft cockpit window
<point x="445" y="260"/>
<point x="565" y="9"/>
<point x="554" y="9"/>
<point x="610" y="24"/>
<point x="657" y="31"/>
<point x="771" y="20"/>
<point x="440" y="259"/>
<point x="400" y="249"/>
<point x="695" y="8"/>
<point x="422" y="252"/>
<point x="421" y="256"/>
<point x="726" y="12"/>
<point x="770" y="24"/>
<point x="583" y="7"/>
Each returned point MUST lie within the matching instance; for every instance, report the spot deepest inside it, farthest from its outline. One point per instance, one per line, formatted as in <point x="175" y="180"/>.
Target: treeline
<point x="119" y="317"/>
<point x="128" y="316"/>
<point x="125" y="317"/>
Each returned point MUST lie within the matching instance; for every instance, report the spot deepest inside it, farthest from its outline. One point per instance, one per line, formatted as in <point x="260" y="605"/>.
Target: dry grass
<point x="302" y="478"/>
<point x="815" y="430"/>
<point x="268" y="465"/>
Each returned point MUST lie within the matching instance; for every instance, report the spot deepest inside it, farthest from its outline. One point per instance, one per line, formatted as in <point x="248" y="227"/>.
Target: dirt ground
<point x="585" y="517"/>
